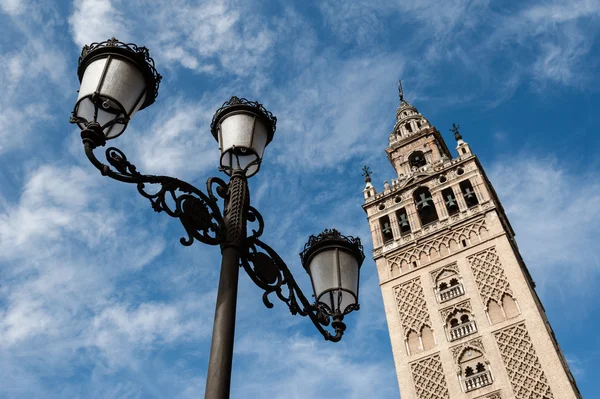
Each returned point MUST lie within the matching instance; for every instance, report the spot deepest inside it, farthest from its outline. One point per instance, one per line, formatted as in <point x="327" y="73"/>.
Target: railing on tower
<point x="478" y="380"/>
<point x="462" y="330"/>
<point x="451" y="292"/>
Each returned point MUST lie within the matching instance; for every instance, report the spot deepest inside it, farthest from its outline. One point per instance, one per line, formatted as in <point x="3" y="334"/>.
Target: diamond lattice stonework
<point x="489" y="276"/>
<point x="428" y="377"/>
<point x="522" y="364"/>
<point x="411" y="306"/>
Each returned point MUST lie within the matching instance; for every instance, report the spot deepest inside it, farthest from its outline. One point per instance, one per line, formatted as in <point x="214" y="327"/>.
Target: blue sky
<point x="99" y="300"/>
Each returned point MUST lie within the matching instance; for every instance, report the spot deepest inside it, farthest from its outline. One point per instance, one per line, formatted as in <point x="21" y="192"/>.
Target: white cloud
<point x="556" y="215"/>
<point x="307" y="369"/>
<point x="96" y="21"/>
<point x="327" y="112"/>
<point x="13" y="7"/>
<point x="178" y="142"/>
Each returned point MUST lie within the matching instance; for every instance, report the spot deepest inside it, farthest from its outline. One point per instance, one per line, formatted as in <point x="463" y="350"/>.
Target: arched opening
<point x="408" y="127"/>
<point x="495" y="312"/>
<point x="414" y="345"/>
<point x="417" y="159"/>
<point x="433" y="253"/>
<point x="425" y="206"/>
<point x="468" y="193"/>
<point x="443" y="286"/>
<point x="386" y="229"/>
<point x="510" y="306"/>
<point x="450" y="201"/>
<point x="403" y="223"/>
<point x="460" y="324"/>
<point x="453" y="282"/>
<point x="427" y="338"/>
<point x="473" y="371"/>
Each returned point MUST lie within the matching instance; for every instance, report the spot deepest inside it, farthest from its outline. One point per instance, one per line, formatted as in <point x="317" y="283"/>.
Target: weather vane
<point x="454" y="130"/>
<point x="366" y="173"/>
<point x="400" y="91"/>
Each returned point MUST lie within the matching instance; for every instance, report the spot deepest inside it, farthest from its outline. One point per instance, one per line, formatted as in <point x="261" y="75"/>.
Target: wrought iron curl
<point x="280" y="276"/>
<point x="198" y="212"/>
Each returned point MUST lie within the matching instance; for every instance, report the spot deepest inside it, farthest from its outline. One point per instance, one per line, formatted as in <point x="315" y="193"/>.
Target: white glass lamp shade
<point x="114" y="88"/>
<point x="334" y="272"/>
<point x="243" y="129"/>
<point x="243" y="136"/>
<point x="117" y="80"/>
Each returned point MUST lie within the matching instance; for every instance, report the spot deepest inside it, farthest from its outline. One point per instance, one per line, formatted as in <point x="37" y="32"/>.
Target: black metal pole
<point x="218" y="380"/>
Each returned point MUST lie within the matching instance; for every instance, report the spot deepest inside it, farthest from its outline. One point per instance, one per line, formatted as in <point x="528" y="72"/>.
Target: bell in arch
<point x="387" y="229"/>
<point x="469" y="194"/>
<point x="403" y="221"/>
<point x="423" y="202"/>
<point x="451" y="201"/>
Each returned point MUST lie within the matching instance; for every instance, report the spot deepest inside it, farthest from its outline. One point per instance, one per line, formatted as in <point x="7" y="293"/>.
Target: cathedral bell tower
<point x="463" y="315"/>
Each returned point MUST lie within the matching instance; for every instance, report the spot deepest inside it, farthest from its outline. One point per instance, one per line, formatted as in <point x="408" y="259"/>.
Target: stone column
<point x="462" y="205"/>
<point x="440" y="205"/>
<point x="413" y="217"/>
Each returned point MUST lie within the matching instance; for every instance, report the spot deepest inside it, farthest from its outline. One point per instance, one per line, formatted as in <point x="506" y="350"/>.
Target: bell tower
<point x="463" y="315"/>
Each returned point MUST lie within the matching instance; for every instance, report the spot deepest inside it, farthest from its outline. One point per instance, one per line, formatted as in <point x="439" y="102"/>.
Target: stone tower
<point x="463" y="316"/>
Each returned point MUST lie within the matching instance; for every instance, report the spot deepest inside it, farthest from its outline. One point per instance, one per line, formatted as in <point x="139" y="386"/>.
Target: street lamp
<point x="117" y="80"/>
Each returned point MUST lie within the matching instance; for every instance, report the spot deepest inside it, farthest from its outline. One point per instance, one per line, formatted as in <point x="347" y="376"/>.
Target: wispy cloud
<point x="555" y="212"/>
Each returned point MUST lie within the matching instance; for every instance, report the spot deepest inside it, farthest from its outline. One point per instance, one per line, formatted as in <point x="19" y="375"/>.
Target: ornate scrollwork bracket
<point x="270" y="273"/>
<point x="198" y="212"/>
<point x="201" y="217"/>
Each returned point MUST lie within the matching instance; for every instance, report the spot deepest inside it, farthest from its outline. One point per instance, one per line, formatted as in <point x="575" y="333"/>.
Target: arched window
<point x="474" y="373"/>
<point x="386" y="229"/>
<point x="417" y="159"/>
<point x="403" y="221"/>
<point x="448" y="285"/>
<point x="450" y="201"/>
<point x="460" y="324"/>
<point x="425" y="206"/>
<point x="467" y="190"/>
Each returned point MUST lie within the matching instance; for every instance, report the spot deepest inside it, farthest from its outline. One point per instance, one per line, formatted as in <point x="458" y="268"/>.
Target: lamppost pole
<point x="218" y="379"/>
<point x="117" y="80"/>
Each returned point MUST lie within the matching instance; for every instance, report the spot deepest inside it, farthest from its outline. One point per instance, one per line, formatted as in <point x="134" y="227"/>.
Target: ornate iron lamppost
<point x="119" y="79"/>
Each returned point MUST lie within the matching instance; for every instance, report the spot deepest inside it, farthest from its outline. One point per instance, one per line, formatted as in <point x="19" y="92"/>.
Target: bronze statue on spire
<point x="366" y="173"/>
<point x="457" y="135"/>
<point x="400" y="91"/>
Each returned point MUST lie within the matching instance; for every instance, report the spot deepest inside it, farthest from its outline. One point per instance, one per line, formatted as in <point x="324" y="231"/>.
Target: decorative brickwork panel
<point x="457" y="351"/>
<point x="443" y="244"/>
<point x="489" y="275"/>
<point x="435" y="275"/>
<point x="412" y="307"/>
<point x="464" y="306"/>
<point x="428" y="378"/>
<point x="522" y="364"/>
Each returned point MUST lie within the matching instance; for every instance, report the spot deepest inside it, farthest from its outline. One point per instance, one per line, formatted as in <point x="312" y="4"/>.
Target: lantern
<point x="243" y="129"/>
<point x="333" y="262"/>
<point x="117" y="80"/>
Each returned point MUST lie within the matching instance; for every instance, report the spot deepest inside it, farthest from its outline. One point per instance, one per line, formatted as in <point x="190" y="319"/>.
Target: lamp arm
<point x="269" y="272"/>
<point x="198" y="212"/>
